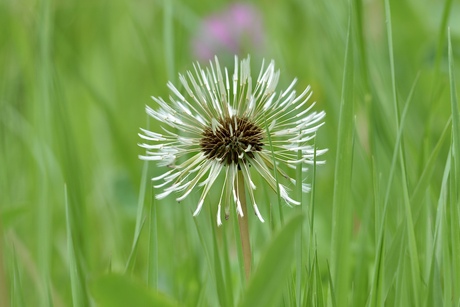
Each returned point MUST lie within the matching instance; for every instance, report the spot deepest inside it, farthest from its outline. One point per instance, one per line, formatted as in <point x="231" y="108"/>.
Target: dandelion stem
<point x="243" y="225"/>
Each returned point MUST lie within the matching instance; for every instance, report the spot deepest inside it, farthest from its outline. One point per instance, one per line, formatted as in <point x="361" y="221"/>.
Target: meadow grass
<point x="79" y="222"/>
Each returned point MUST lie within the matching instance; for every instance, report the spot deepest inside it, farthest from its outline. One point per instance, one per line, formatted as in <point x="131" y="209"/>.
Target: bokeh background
<point x="75" y="77"/>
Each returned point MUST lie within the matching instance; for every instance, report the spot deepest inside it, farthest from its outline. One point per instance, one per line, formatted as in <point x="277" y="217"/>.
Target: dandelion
<point x="225" y="125"/>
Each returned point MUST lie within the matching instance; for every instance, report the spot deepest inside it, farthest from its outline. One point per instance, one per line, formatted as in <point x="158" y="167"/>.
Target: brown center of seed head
<point x="233" y="141"/>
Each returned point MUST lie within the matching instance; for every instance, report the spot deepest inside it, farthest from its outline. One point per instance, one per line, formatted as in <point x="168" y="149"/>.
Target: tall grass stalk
<point x="44" y="114"/>
<point x="342" y="205"/>
<point x="152" y="278"/>
<point x="454" y="178"/>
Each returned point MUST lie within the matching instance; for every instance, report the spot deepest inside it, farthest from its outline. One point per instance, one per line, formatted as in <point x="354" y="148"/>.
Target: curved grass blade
<point x="119" y="291"/>
<point x="76" y="284"/>
<point x="274" y="267"/>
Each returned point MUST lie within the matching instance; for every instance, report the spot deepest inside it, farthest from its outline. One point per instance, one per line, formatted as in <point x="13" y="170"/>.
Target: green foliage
<point x="79" y="224"/>
<point x="118" y="290"/>
<point x="274" y="268"/>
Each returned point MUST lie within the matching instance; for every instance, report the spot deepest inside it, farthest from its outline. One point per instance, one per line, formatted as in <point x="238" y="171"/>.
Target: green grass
<point x="79" y="225"/>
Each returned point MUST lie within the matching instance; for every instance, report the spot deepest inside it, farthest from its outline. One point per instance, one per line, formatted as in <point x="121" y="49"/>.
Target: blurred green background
<point x="75" y="77"/>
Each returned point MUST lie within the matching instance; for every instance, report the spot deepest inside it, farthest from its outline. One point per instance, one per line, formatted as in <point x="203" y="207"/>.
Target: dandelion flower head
<point x="223" y="123"/>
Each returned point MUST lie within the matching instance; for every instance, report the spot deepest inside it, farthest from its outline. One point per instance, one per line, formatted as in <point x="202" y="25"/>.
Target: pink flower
<point x="235" y="30"/>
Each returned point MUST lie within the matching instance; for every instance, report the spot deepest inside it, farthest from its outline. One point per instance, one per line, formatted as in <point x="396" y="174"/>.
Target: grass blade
<point x="225" y="297"/>
<point x="427" y="173"/>
<point x="455" y="114"/>
<point x="409" y="225"/>
<point x="120" y="291"/>
<point x="77" y="299"/>
<point x="454" y="177"/>
<point x="152" y="279"/>
<point x="274" y="267"/>
<point x="342" y="205"/>
<point x="318" y="282"/>
<point x="4" y="297"/>
<point x="139" y="220"/>
<point x="43" y="114"/>
<point x="168" y="32"/>
<point x="434" y="295"/>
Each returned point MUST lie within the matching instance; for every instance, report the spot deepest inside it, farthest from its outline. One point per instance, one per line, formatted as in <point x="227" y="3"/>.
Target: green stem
<point x="244" y="228"/>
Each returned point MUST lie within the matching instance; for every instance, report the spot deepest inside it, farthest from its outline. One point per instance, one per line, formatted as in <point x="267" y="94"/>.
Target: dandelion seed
<point x="218" y="128"/>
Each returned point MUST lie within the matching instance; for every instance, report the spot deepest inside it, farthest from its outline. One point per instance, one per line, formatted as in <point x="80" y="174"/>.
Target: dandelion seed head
<point x="229" y="128"/>
<point x="234" y="141"/>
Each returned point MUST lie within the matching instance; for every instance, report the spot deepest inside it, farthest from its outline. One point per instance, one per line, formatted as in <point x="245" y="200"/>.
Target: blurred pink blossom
<point x="237" y="29"/>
